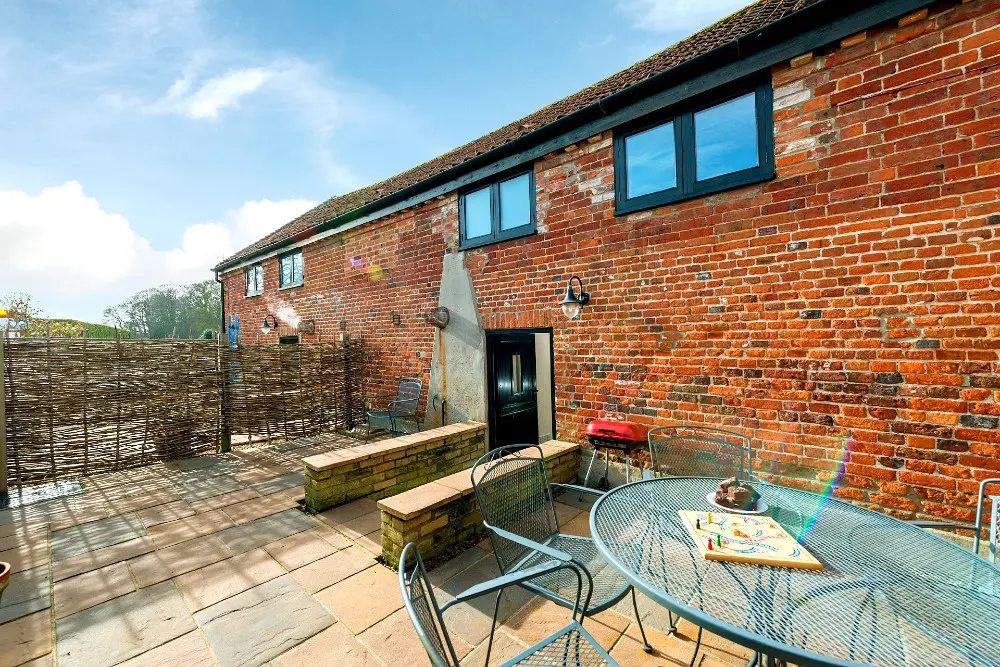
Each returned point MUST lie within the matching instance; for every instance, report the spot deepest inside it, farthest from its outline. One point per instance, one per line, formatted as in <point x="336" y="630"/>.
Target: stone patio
<point x="210" y="561"/>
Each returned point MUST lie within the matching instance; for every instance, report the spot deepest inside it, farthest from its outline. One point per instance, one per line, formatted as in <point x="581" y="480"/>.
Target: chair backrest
<point x="700" y="451"/>
<point x="993" y="529"/>
<point x="512" y="489"/>
<point x="407" y="397"/>
<point x="423" y="609"/>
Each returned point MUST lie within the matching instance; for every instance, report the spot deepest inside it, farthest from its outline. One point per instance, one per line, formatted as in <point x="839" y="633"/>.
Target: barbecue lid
<point x="605" y="428"/>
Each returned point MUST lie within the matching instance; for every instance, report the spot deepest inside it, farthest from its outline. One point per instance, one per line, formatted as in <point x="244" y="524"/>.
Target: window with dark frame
<point x="692" y="151"/>
<point x="255" y="280"/>
<point x="290" y="269"/>
<point x="497" y="211"/>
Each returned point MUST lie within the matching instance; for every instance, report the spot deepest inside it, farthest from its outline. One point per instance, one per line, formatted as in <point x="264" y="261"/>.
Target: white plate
<point x="761" y="506"/>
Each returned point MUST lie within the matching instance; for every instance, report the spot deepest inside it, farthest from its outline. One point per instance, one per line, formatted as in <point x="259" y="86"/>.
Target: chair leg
<point x="590" y="467"/>
<point x="673" y="623"/>
<point x="754" y="661"/>
<point x="697" y="647"/>
<point x="635" y="607"/>
<point x="493" y="627"/>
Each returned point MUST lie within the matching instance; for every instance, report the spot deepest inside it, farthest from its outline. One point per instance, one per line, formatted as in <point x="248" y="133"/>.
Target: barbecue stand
<point x="612" y="435"/>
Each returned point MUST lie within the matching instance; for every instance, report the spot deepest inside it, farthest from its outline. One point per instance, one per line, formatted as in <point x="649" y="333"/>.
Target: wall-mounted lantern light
<point x="396" y="319"/>
<point x="268" y="327"/>
<point x="572" y="304"/>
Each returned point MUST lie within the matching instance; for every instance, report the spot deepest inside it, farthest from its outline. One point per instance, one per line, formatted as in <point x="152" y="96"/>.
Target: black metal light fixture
<point x="572" y="304"/>
<point x="268" y="327"/>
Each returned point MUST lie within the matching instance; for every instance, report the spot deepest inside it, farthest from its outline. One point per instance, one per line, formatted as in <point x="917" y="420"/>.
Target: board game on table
<point x="746" y="538"/>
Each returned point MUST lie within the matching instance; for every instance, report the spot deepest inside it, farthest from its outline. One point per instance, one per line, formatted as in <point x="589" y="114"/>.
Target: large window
<point x="497" y="211"/>
<point x="716" y="145"/>
<point x="290" y="269"/>
<point x="255" y="280"/>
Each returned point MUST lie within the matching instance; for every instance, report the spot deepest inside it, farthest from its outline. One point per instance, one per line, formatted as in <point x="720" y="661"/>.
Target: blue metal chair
<point x="992" y="553"/>
<point x="515" y="498"/>
<point x="571" y="646"/>
<point x="699" y="451"/>
<point x="399" y="409"/>
<point x="689" y="450"/>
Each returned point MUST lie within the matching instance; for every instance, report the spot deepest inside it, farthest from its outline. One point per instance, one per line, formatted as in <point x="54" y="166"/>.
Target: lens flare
<point x="809" y="519"/>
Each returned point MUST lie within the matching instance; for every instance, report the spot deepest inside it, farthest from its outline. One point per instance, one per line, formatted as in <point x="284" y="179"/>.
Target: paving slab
<point x="377" y="586"/>
<point x="258" y="508"/>
<point x="164" y="513"/>
<point x="163" y="564"/>
<point x="27" y="592"/>
<point x="206" y="488"/>
<point x="336" y="567"/>
<point x="262" y="623"/>
<point x="76" y="540"/>
<point x="122" y="628"/>
<point x="213" y="583"/>
<point x="93" y="560"/>
<point x="301" y="549"/>
<point x="362" y="525"/>
<point x="296" y="479"/>
<point x="175" y="532"/>
<point x="25" y="639"/>
<point x="320" y="649"/>
<point x="26" y="557"/>
<point x="91" y="588"/>
<point x="264" y="531"/>
<point x="395" y="641"/>
<point x="215" y="502"/>
<point x="341" y="514"/>
<point x="188" y="650"/>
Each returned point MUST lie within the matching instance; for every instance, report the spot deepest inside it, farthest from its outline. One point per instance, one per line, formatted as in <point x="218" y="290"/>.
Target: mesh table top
<point x="890" y="593"/>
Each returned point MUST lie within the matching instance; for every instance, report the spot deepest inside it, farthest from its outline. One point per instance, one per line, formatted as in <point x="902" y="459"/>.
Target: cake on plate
<point x="738" y="495"/>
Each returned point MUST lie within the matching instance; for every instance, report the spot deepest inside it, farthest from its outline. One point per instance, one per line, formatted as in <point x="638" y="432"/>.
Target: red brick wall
<point x="846" y="314"/>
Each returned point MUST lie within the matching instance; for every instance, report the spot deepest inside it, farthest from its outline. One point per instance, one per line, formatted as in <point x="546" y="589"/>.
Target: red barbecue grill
<point x="620" y="436"/>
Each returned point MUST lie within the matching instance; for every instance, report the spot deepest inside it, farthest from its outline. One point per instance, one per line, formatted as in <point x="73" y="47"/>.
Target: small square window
<point x="705" y="147"/>
<point x="254" y="280"/>
<point x="291" y="270"/>
<point x="501" y="210"/>
<point x="651" y="160"/>
<point x="725" y="138"/>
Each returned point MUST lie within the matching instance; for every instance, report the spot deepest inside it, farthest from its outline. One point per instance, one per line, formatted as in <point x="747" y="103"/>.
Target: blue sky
<point x="142" y="141"/>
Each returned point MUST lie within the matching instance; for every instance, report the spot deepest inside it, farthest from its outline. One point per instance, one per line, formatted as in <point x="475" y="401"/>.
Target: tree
<point x="25" y="319"/>
<point x="169" y="311"/>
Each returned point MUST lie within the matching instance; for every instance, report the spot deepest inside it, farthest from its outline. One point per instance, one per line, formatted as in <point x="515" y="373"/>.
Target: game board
<point x="741" y="538"/>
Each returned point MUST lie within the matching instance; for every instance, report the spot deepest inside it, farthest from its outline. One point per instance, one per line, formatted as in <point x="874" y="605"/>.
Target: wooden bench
<point x="389" y="467"/>
<point x="443" y="514"/>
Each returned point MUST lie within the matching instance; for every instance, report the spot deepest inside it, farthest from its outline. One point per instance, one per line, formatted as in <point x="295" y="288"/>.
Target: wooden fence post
<point x="225" y="439"/>
<point x="4" y="492"/>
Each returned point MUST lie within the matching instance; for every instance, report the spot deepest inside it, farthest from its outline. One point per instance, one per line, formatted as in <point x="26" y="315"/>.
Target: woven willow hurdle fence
<point x="78" y="407"/>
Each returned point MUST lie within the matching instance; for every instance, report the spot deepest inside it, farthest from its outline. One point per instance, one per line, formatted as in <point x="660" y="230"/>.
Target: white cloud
<point x="677" y="15"/>
<point x="61" y="241"/>
<point x="212" y="96"/>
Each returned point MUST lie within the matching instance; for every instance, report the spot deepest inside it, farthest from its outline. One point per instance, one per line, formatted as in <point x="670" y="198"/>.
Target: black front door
<point x="513" y="389"/>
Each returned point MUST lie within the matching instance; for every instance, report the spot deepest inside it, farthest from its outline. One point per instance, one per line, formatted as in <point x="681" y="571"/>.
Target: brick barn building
<point x="787" y="224"/>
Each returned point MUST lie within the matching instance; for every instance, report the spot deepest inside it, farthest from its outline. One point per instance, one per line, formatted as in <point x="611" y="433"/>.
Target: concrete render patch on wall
<point x="458" y="365"/>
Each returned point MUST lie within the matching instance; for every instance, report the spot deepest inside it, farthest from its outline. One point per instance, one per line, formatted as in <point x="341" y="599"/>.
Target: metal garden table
<point x="890" y="593"/>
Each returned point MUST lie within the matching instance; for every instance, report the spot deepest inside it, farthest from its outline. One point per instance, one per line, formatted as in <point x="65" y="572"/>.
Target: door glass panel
<point x="477" y="214"/>
<point x="650" y="161"/>
<point x="517" y="385"/>
<point x="515" y="202"/>
<point x="725" y="137"/>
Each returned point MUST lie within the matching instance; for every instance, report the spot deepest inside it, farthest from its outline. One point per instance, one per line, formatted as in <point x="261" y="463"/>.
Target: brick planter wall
<point x="444" y="514"/>
<point x="845" y="315"/>
<point x="392" y="466"/>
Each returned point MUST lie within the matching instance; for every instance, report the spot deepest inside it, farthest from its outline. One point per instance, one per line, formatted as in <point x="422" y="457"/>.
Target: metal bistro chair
<point x="699" y="451"/>
<point x="399" y="409"/>
<point x="571" y="646"/>
<point x="993" y="554"/>
<point x="515" y="498"/>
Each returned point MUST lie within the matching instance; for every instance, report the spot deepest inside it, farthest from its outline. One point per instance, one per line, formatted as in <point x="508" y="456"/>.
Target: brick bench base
<point x="444" y="513"/>
<point x="389" y="467"/>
